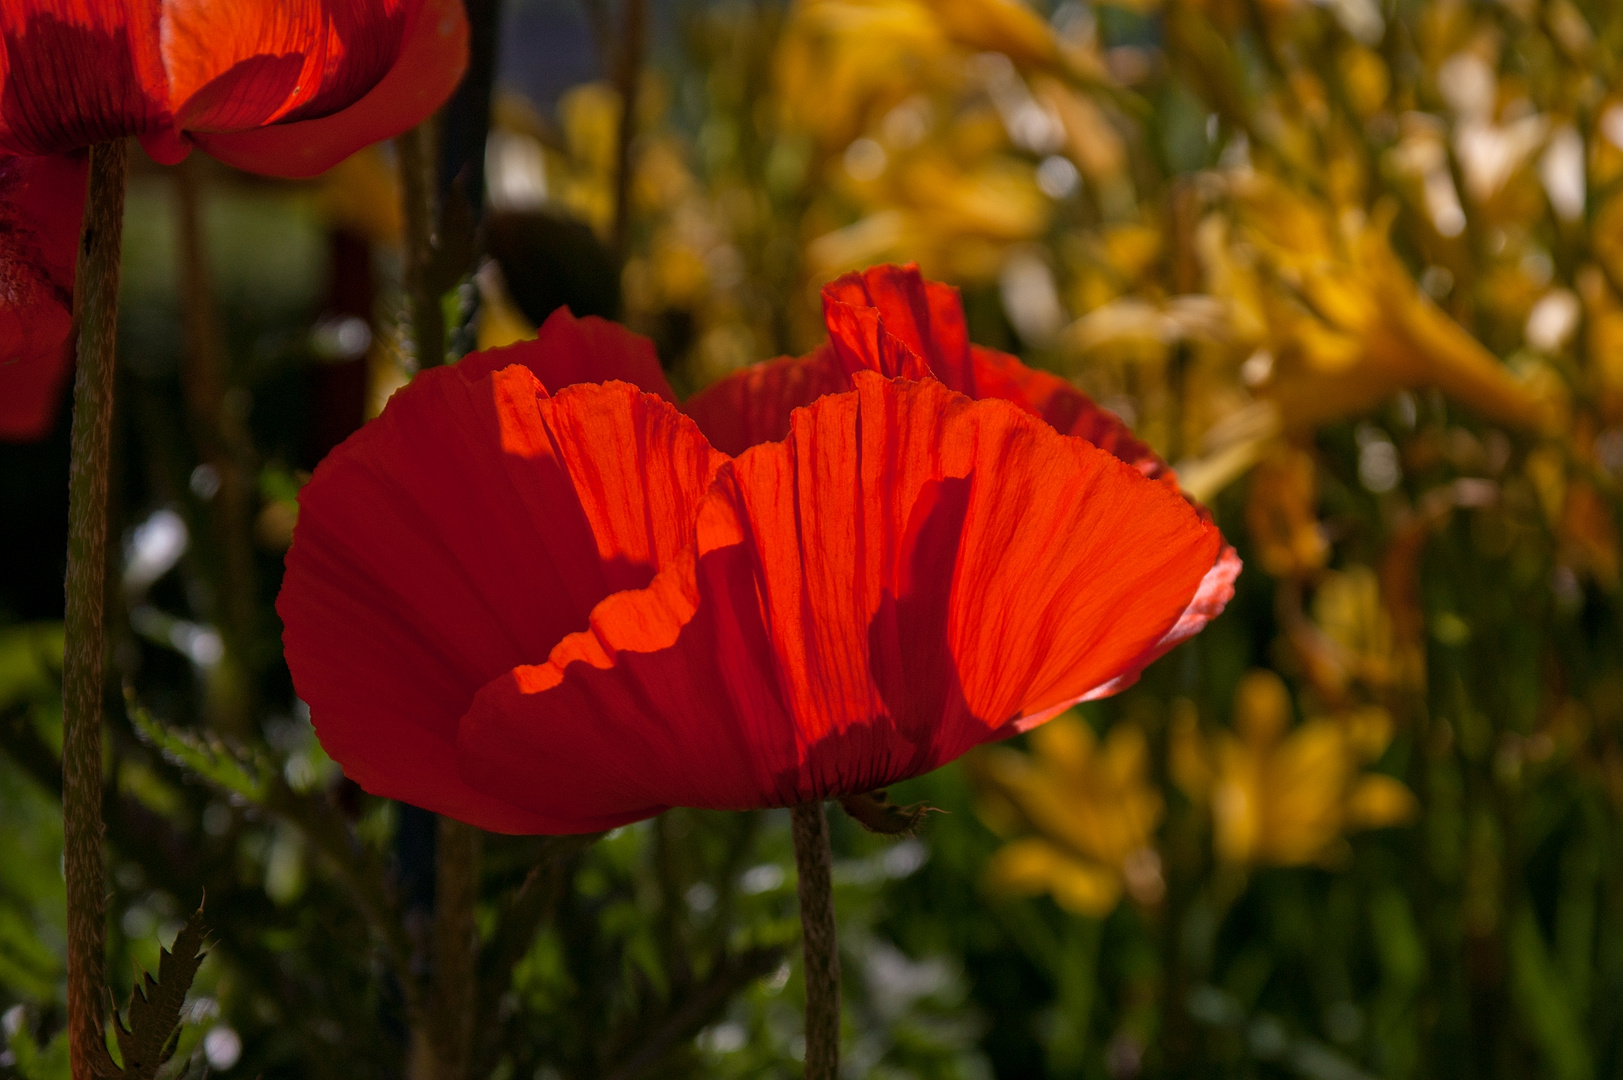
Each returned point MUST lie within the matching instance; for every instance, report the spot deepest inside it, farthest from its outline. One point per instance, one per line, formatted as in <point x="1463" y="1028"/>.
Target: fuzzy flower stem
<point x="427" y="317"/>
<point x="456" y="943"/>
<point x="814" y="861"/>
<point x="95" y="295"/>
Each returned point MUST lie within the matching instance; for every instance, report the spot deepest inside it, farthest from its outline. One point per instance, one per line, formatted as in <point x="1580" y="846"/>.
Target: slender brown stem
<point x="629" y="81"/>
<point x="815" y="862"/>
<point x="222" y="443"/>
<point x="95" y="295"/>
<point x="458" y="852"/>
<point x="427" y="317"/>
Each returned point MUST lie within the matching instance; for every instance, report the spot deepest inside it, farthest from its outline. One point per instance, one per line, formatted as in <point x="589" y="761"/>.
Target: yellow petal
<point x="1378" y="801"/>
<point x="1262" y="707"/>
<point x="1187" y="756"/>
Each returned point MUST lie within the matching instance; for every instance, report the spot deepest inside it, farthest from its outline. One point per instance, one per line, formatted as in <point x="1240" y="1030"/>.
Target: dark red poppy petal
<point x="925" y="316"/>
<point x="432" y="54"/>
<point x="251" y="62"/>
<point x="464" y="532"/>
<point x="42" y="201"/>
<point x="567" y="350"/>
<point x="362" y="43"/>
<point x="77" y="72"/>
<point x="1067" y="409"/>
<point x="903" y="576"/>
<point x="860" y="341"/>
<point x="753" y="405"/>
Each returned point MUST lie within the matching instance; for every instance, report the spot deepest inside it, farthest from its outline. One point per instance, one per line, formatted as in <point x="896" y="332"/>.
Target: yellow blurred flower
<point x="1604" y="341"/>
<point x="1282" y="795"/>
<point x="1090" y="807"/>
<point x="929" y="118"/>
<point x="1347" y="325"/>
<point x="1352" y="638"/>
<point x="362" y="194"/>
<point x="1282" y="514"/>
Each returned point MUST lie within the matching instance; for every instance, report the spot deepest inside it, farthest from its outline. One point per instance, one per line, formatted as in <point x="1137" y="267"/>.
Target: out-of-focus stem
<point x="629" y="80"/>
<point x="458" y="852"/>
<point x="815" y="862"/>
<point x="95" y="295"/>
<point x="427" y="317"/>
<point x="221" y="442"/>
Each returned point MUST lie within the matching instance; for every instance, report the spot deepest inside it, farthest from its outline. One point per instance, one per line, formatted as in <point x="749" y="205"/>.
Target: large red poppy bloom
<point x="280" y="87"/>
<point x="542" y="601"/>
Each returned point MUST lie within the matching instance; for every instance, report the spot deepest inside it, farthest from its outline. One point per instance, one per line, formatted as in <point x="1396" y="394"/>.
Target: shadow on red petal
<point x="69" y="83"/>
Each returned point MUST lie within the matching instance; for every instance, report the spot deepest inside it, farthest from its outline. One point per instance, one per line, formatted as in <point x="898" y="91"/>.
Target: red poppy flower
<point x="559" y="612"/>
<point x="926" y="318"/>
<point x="41" y="202"/>
<point x="280" y="87"/>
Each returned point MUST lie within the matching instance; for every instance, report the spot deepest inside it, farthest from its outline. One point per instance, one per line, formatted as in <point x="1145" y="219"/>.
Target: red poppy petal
<point x="925" y="316"/>
<point x="240" y="65"/>
<point x="753" y="405"/>
<point x="904" y="575"/>
<point x="466" y="531"/>
<point x="363" y="42"/>
<point x="567" y="350"/>
<point x="662" y="701"/>
<point x="432" y="55"/>
<point x="1067" y="409"/>
<point x="77" y="72"/>
<point x="42" y="200"/>
<point x="860" y="341"/>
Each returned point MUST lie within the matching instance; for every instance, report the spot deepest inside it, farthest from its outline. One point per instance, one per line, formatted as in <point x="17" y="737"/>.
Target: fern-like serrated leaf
<point x="234" y="771"/>
<point x="146" y="1032"/>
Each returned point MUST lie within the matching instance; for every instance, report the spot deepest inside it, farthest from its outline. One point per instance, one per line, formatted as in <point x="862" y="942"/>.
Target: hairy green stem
<point x="815" y="862"/>
<point x="95" y="296"/>
<point x="427" y="317"/>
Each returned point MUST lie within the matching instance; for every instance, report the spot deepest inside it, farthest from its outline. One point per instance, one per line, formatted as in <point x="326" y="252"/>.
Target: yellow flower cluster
<point x="1286" y="795"/>
<point x="1083" y="813"/>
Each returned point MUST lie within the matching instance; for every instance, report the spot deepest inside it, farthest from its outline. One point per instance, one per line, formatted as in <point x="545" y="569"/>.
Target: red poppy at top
<point x="280" y="87"/>
<point x="537" y="596"/>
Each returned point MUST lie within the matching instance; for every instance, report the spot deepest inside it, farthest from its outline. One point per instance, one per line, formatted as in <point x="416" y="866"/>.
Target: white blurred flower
<point x="1552" y="321"/>
<point x="1562" y="170"/>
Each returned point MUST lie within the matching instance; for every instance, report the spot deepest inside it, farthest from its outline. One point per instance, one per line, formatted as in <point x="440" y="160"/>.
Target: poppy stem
<point x="417" y="194"/>
<point x="456" y="942"/>
<point x="95" y="295"/>
<point x="815" y="862"/>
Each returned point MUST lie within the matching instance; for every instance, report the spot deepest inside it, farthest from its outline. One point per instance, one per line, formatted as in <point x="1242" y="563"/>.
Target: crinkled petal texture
<point x="77" y="72"/>
<point x="384" y="65"/>
<point x="283" y="87"/>
<point x="465" y="532"/>
<point x="567" y="350"/>
<point x="889" y="319"/>
<point x="753" y="405"/>
<point x="903" y="577"/>
<point x="42" y="200"/>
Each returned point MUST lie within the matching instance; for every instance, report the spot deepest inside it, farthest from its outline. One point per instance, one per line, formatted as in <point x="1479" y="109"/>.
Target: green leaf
<point x="30" y="662"/>
<point x="147" y="1029"/>
<point x="1545" y="1002"/>
<point x="236" y="771"/>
